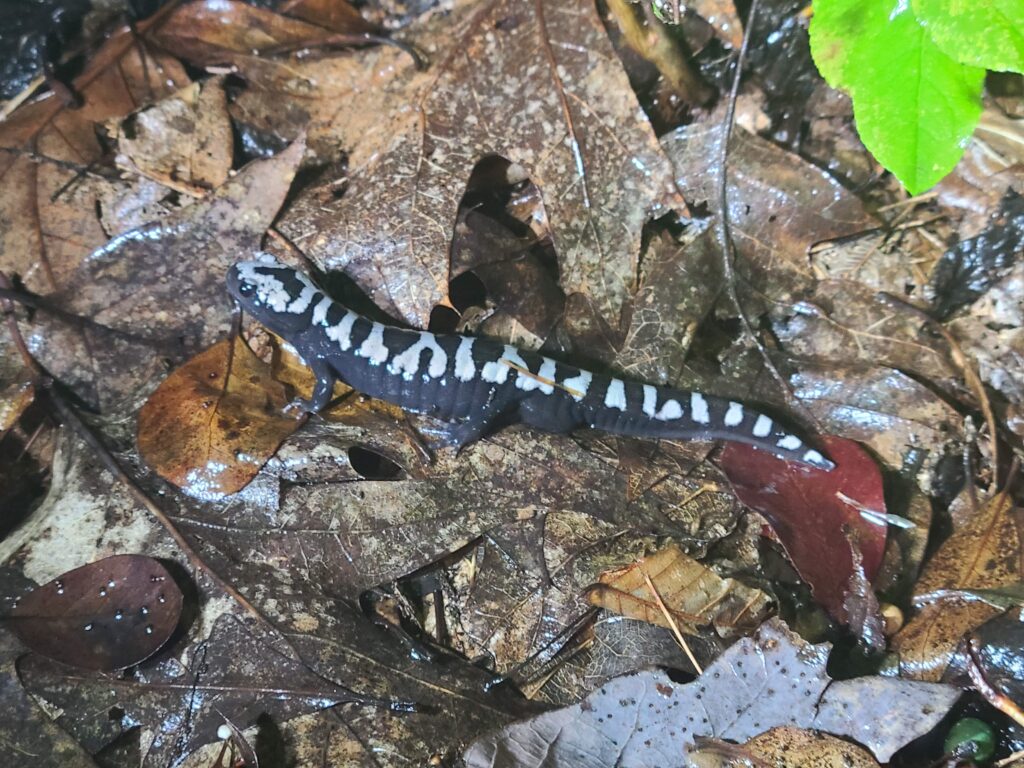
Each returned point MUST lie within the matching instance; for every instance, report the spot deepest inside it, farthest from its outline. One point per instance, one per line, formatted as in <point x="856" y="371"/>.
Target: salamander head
<point x="277" y="295"/>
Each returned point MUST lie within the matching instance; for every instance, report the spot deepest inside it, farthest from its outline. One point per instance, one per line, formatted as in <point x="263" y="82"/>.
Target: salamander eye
<point x="246" y="289"/>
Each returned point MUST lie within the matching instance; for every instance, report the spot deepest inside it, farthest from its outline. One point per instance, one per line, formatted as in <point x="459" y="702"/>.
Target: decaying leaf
<point x="536" y="83"/>
<point x="779" y="204"/>
<point x="218" y="31"/>
<point x="48" y="221"/>
<point x="183" y="142"/>
<point x="830" y="523"/>
<point x="973" y="266"/>
<point x="211" y="424"/>
<point x="694" y="595"/>
<point x="109" y="614"/>
<point x="646" y="719"/>
<point x="161" y="286"/>
<point x="983" y="554"/>
<point x="232" y="674"/>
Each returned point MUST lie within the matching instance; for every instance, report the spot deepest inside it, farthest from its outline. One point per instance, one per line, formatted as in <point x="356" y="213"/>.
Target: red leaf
<point x="817" y="515"/>
<point x="110" y="614"/>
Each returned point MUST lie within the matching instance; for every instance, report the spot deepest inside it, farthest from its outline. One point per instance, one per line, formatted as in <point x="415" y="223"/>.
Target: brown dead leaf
<point x="536" y="83"/>
<point x="47" y="208"/>
<point x="695" y="595"/>
<point x="983" y="554"/>
<point x="335" y="15"/>
<point x="886" y="409"/>
<point x="218" y="31"/>
<point x="779" y="204"/>
<point x="845" y="323"/>
<point x="162" y="282"/>
<point x="208" y="438"/>
<point x="183" y="142"/>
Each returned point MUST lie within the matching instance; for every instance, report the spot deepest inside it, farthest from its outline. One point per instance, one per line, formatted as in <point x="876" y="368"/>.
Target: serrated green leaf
<point x="915" y="106"/>
<point x="984" y="33"/>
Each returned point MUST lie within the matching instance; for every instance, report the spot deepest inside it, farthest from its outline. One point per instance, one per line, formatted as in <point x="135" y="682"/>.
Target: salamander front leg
<point x="322" y="392"/>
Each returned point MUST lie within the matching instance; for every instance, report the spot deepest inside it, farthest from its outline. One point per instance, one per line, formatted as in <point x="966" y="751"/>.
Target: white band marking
<point x="699" y="408"/>
<point x="615" y="397"/>
<point x="734" y="415"/>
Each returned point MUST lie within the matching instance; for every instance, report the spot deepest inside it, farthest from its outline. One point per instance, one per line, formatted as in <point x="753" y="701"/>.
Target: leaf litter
<point x="478" y="564"/>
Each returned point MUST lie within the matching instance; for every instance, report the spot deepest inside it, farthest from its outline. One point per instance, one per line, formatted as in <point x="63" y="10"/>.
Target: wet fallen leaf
<point x="897" y="417"/>
<point x="48" y="219"/>
<point x="216" y="31"/>
<point x="821" y="518"/>
<point x="163" y="283"/>
<point x="983" y="554"/>
<point x="109" y="614"/>
<point x="211" y="424"/>
<point x="548" y="77"/>
<point x="779" y="204"/>
<point x="992" y="333"/>
<point x="647" y="719"/>
<point x="183" y="141"/>
<point x="694" y="595"/>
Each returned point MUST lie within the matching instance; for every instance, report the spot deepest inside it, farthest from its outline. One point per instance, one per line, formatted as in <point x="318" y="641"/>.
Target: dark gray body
<point x="483" y="384"/>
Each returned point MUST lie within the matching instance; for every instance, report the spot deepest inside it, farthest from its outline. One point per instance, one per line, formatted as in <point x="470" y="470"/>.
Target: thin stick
<point x="671" y="621"/>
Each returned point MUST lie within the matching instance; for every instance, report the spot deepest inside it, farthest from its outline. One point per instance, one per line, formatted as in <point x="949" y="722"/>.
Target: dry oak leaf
<point x="537" y="83"/>
<point x="983" y="554"/>
<point x="783" y="747"/>
<point x="694" y="595"/>
<point x="211" y="425"/>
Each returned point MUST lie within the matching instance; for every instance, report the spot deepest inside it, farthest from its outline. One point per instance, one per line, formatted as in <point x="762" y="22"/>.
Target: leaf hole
<point x="371" y="465"/>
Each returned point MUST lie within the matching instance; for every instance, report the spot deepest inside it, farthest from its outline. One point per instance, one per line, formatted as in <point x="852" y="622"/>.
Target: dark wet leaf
<point x="109" y="614"/>
<point x="646" y="719"/>
<point x="28" y="736"/>
<point x="233" y="674"/>
<point x="829" y="522"/>
<point x="211" y="424"/>
<point x="973" y="266"/>
<point x="999" y="644"/>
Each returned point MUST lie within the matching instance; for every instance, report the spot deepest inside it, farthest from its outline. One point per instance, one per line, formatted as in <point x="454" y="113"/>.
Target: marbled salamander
<point x="483" y="384"/>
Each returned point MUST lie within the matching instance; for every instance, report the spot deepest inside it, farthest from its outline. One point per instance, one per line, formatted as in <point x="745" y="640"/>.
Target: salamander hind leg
<point x="322" y="391"/>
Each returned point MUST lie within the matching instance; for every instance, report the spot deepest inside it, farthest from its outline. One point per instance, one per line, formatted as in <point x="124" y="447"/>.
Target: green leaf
<point x="985" y="33"/>
<point x="915" y="106"/>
